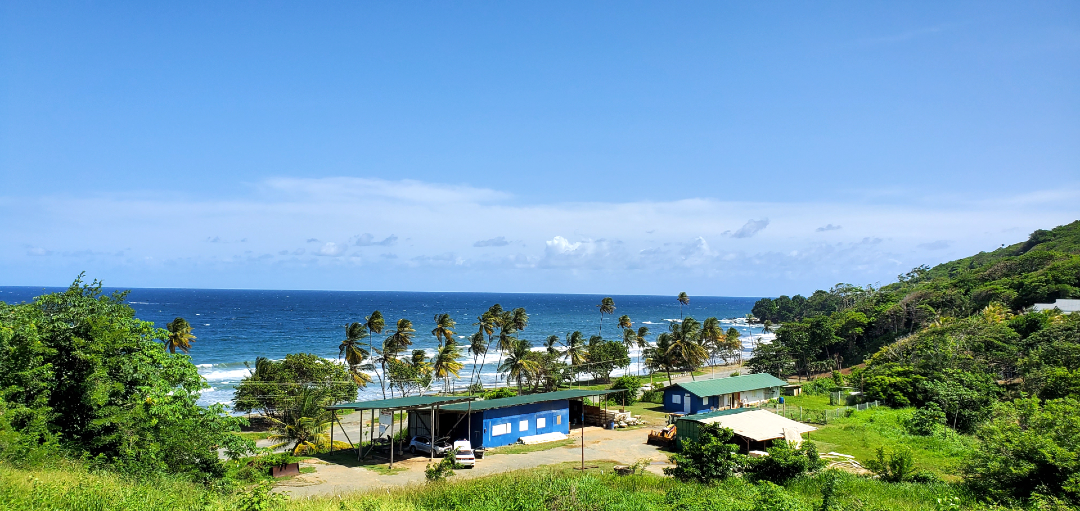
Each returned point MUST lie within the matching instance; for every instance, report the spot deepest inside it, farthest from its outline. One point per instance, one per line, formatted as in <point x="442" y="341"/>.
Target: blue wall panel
<point x="556" y="414"/>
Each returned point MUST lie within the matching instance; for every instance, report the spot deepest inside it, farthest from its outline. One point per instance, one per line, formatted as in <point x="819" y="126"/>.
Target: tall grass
<point x="555" y="488"/>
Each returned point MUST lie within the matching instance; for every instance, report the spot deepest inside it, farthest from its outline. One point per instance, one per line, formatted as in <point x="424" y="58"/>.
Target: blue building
<point x="499" y="422"/>
<point x="721" y="393"/>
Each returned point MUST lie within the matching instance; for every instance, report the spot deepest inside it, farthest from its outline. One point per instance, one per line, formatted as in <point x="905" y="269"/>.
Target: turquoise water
<point x="234" y="326"/>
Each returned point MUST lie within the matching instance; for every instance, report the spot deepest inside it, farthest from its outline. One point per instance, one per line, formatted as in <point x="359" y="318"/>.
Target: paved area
<point x="621" y="446"/>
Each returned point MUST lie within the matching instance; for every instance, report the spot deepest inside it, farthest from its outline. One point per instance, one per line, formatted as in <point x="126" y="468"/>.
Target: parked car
<point x="465" y="455"/>
<point x="423" y="444"/>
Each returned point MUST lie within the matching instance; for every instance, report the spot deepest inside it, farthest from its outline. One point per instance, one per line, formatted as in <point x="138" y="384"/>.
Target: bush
<point x="500" y="392"/>
<point x="893" y="467"/>
<point x="630" y="386"/>
<point x="784" y="462"/>
<point x="436" y="472"/>
<point x="926" y="420"/>
<point x="709" y="458"/>
<point x="653" y="396"/>
<point x="819" y="386"/>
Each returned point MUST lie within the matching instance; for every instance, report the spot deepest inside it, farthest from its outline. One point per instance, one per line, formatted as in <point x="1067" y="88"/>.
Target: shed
<point x="504" y="421"/>
<point x="722" y="393"/>
<point x="755" y="428"/>
<point x="1064" y="305"/>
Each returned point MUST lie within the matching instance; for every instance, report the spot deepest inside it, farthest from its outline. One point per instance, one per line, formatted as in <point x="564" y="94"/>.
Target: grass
<point x="550" y="488"/>
<point x="523" y="448"/>
<point x="375" y="464"/>
<point x="255" y="436"/>
<point x="861" y="434"/>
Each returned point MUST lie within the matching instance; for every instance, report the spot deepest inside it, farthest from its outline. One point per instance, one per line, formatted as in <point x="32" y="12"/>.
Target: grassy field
<point x="523" y="449"/>
<point x="71" y="487"/>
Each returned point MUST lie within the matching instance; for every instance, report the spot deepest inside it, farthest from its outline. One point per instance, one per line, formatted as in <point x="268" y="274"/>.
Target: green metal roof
<point x="721" y="386"/>
<point x="401" y="402"/>
<point x="506" y="402"/>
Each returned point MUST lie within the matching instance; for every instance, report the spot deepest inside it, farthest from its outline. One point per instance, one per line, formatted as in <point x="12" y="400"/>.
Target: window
<point x="500" y="429"/>
<point x="541" y="422"/>
<point x="558" y="419"/>
<point x="523" y="425"/>
<point x="704" y="401"/>
<point x="676" y="399"/>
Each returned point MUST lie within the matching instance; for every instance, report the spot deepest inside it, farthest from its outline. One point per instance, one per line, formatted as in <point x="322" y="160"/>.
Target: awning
<point x="756" y="424"/>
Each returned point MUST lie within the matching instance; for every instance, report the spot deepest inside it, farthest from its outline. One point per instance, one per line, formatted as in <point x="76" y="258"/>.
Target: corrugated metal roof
<point x="753" y="423"/>
<point x="401" y="402"/>
<point x="721" y="386"/>
<point x="506" y="402"/>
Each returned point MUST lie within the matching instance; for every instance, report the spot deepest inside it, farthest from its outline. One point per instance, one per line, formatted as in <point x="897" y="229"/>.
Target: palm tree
<point x="352" y="348"/>
<point x="179" y="335"/>
<point x="607" y="306"/>
<point x="659" y="357"/>
<point x="575" y="348"/>
<point x="684" y="299"/>
<point x="476" y="348"/>
<point x="519" y="363"/>
<point x="445" y="363"/>
<point x="486" y="322"/>
<point x="685" y="345"/>
<point x="624" y="321"/>
<point x="733" y="342"/>
<point x="375" y="324"/>
<point x="550" y="343"/>
<point x="305" y="424"/>
<point x="629" y="340"/>
<point x="711" y="334"/>
<point x="509" y="323"/>
<point x="444" y="328"/>
<point x="766" y="328"/>
<point x="395" y="344"/>
<point x="642" y="343"/>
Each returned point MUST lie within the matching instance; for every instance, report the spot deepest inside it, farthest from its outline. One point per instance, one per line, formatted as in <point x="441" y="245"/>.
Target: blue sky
<point x="721" y="148"/>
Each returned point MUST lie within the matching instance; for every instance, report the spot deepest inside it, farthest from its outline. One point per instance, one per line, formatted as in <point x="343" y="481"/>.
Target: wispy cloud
<point x="829" y="227"/>
<point x="751" y="228"/>
<point x="368" y="240"/>
<point x="499" y="241"/>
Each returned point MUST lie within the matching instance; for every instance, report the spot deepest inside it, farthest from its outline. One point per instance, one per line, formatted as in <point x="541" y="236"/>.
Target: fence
<point x="818" y="416"/>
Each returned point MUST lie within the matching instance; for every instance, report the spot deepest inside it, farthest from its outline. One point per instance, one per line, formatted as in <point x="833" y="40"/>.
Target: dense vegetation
<point x="82" y="377"/>
<point x="959" y="343"/>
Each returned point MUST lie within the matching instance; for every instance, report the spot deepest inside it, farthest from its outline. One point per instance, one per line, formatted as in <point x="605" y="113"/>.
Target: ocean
<point x="236" y="326"/>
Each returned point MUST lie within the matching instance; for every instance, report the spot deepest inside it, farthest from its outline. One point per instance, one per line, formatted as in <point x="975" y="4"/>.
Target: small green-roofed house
<point x="721" y="393"/>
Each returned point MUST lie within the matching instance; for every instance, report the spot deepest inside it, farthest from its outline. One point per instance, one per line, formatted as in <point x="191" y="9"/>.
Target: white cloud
<point x="600" y="246"/>
<point x="331" y="249"/>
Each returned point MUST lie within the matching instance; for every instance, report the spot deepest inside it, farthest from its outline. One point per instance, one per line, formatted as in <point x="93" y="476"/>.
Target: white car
<point x="465" y="455"/>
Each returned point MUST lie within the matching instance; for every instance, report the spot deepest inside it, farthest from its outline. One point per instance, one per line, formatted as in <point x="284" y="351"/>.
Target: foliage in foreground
<point x="81" y="376"/>
<point x="73" y="488"/>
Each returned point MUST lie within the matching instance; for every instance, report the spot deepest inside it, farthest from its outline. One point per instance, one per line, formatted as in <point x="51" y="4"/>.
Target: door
<point x="686" y="404"/>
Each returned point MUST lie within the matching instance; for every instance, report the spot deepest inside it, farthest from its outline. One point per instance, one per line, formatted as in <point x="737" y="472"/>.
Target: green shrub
<point x="653" y="396"/>
<point x="436" y="472"/>
<point x="894" y="467"/>
<point x="784" y="462"/>
<point x="926" y="420"/>
<point x="709" y="458"/>
<point x="499" y="393"/>
<point x="630" y="386"/>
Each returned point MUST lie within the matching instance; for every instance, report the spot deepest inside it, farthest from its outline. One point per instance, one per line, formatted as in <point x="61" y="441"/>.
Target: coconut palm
<point x="305" y="424"/>
<point x="576" y="349"/>
<point x="519" y="363"/>
<point x="607" y="306"/>
<point x="734" y="343"/>
<point x="509" y="323"/>
<point x="402" y="337"/>
<point x="685" y="344"/>
<point x="659" y="357"/>
<point x="477" y="347"/>
<point x="711" y="335"/>
<point x="375" y="324"/>
<point x="624" y="321"/>
<point x="684" y="299"/>
<point x="444" y="328"/>
<point x="352" y="349"/>
<point x="629" y="340"/>
<point x="642" y="343"/>
<point x="550" y="343"/>
<point x="179" y="335"/>
<point x="486" y="324"/>
<point x="445" y="363"/>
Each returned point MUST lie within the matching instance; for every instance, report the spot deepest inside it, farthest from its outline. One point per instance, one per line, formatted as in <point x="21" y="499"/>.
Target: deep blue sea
<point x="234" y="326"/>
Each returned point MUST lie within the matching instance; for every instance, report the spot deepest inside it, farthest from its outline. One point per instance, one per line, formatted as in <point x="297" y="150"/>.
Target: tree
<point x="576" y="350"/>
<point x="352" y="348"/>
<point x="274" y="386"/>
<point x="179" y="335"/>
<point x="784" y="462"/>
<point x="305" y="425"/>
<point x="550" y="344"/>
<point x="684" y="299"/>
<point x="445" y="364"/>
<point x="607" y="306"/>
<point x="707" y="459"/>
<point x="518" y="363"/>
<point x="396" y="344"/>
<point x="685" y="345"/>
<point x="733" y="343"/>
<point x="629" y="340"/>
<point x="711" y="335"/>
<point x="624" y="322"/>
<point x="604" y="357"/>
<point x="375" y="324"/>
<point x="486" y="324"/>
<point x="660" y="357"/>
<point x="444" y="328"/>
<point x="642" y="343"/>
<point x="1027" y="447"/>
<point x="77" y="366"/>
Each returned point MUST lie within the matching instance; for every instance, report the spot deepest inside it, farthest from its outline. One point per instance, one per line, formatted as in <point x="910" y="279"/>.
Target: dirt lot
<point x="622" y="446"/>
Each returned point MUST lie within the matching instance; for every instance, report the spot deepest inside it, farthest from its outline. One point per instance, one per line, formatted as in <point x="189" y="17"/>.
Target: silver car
<point x="423" y="444"/>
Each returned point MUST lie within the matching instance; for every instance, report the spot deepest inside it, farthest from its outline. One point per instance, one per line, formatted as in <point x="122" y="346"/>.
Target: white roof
<point x="758" y="425"/>
<point x="1060" y="303"/>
